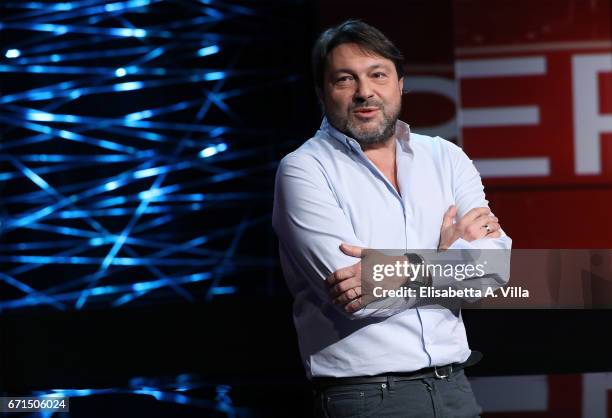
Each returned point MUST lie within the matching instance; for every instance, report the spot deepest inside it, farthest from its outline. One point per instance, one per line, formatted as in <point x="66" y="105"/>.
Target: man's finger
<point x="354" y="305"/>
<point x="352" y="250"/>
<point x="348" y="296"/>
<point x="493" y="226"/>
<point x="344" y="286"/>
<point x="449" y="216"/>
<point x="475" y="213"/>
<point x="481" y="228"/>
<point x="340" y="274"/>
<point x="488" y="225"/>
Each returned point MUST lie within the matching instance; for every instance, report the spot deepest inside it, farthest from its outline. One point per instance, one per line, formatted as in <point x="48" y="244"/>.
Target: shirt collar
<point x="402" y="131"/>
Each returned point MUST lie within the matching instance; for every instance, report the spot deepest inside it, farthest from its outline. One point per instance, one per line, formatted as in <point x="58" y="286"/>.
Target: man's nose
<point x="363" y="90"/>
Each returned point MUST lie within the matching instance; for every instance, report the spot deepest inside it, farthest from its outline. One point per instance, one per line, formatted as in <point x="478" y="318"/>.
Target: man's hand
<point x="345" y="283"/>
<point x="476" y="224"/>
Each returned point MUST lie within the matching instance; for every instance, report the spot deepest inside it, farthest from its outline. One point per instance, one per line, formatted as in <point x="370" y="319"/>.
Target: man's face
<point x="361" y="94"/>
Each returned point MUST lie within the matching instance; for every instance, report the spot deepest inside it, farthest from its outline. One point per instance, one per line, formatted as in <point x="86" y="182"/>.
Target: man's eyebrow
<point x="350" y="71"/>
<point x="373" y="66"/>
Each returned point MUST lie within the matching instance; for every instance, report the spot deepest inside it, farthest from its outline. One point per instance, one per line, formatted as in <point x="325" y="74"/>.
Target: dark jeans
<point x="424" y="398"/>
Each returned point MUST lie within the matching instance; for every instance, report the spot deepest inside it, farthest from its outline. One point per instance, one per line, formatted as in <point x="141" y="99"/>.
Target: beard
<point x="358" y="130"/>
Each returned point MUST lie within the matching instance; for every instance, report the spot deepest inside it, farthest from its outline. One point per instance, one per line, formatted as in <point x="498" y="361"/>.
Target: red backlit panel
<point x="535" y="89"/>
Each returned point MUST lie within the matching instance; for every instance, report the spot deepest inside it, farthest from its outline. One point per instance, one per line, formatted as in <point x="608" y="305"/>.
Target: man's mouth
<point x="366" y="111"/>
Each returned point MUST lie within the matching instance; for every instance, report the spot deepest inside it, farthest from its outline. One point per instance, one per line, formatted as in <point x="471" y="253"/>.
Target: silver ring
<point x="488" y="228"/>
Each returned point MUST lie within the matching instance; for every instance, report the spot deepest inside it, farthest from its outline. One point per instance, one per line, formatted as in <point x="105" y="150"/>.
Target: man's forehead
<point x="354" y="56"/>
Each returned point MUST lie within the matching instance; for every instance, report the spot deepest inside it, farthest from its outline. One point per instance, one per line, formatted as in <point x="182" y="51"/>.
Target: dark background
<point x="246" y="340"/>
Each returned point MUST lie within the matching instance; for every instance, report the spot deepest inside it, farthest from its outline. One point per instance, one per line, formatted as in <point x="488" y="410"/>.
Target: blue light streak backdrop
<point x="137" y="153"/>
<point x="184" y="390"/>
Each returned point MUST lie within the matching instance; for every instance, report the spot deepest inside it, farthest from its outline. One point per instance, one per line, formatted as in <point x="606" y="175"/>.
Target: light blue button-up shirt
<point x="328" y="192"/>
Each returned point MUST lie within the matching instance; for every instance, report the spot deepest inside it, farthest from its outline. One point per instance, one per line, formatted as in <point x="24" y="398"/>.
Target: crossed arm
<point x="344" y="285"/>
<point x="310" y="225"/>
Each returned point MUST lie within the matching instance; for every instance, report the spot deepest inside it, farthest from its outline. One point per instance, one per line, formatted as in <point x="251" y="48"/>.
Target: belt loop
<point x="391" y="383"/>
<point x="323" y="403"/>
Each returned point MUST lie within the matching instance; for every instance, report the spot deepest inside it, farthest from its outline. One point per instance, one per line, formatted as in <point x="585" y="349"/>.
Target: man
<point x="365" y="181"/>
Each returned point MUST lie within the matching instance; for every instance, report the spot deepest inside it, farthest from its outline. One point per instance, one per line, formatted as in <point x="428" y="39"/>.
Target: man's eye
<point x="379" y="75"/>
<point x="344" y="79"/>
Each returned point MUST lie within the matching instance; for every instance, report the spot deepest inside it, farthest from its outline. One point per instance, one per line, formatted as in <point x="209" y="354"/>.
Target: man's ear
<point x="401" y="85"/>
